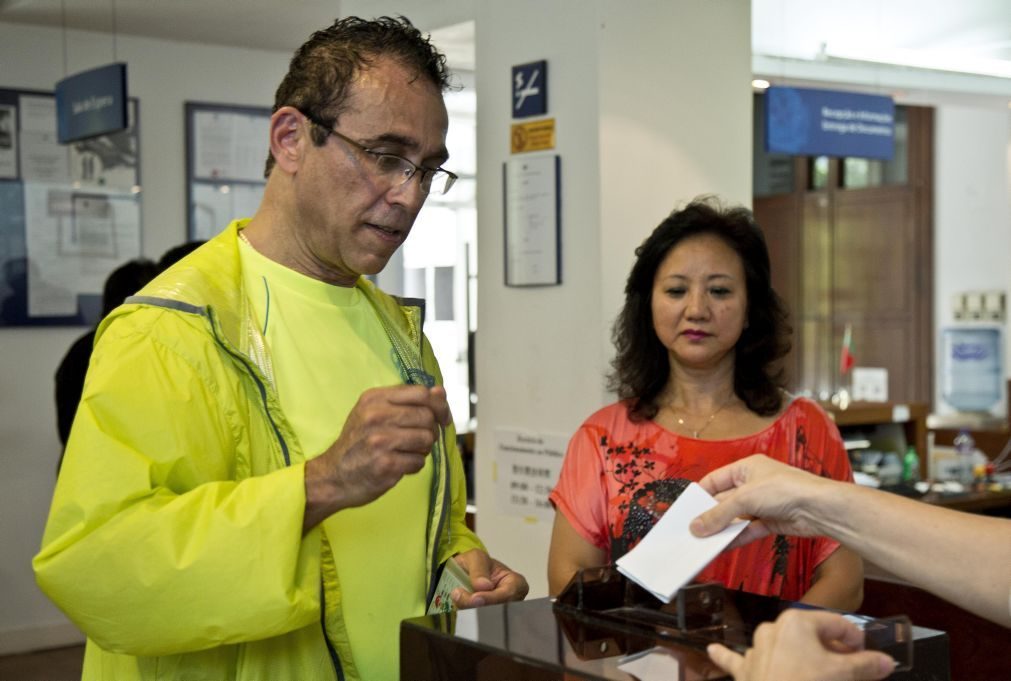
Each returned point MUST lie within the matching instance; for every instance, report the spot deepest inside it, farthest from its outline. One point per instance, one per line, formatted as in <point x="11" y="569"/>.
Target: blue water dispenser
<point x="971" y="368"/>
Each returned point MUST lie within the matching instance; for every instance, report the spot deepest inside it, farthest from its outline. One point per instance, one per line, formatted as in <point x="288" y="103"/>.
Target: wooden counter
<point x="986" y="502"/>
<point x="990" y="441"/>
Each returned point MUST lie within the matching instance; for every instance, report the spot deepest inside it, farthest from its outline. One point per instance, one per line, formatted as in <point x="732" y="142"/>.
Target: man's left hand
<point x="492" y="581"/>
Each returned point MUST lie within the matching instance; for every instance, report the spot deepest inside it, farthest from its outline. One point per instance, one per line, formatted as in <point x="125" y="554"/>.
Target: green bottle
<point x="910" y="465"/>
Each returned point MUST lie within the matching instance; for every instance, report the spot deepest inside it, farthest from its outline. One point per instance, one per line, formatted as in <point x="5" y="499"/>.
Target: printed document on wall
<point x="526" y="469"/>
<point x="532" y="221"/>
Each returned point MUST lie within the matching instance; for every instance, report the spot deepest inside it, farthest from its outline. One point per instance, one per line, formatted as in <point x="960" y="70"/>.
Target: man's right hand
<point x="387" y="435"/>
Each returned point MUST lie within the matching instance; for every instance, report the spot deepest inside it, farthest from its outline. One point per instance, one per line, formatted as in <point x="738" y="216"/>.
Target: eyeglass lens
<point x="432" y="181"/>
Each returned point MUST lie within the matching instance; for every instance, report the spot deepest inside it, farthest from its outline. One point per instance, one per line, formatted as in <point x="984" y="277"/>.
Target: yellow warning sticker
<point x="533" y="136"/>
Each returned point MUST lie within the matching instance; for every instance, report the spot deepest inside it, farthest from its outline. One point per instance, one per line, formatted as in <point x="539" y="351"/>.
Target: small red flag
<point x="846" y="358"/>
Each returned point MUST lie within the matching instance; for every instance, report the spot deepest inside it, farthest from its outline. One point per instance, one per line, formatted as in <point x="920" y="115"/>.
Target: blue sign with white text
<point x="530" y="89"/>
<point x="91" y="103"/>
<point x="808" y="122"/>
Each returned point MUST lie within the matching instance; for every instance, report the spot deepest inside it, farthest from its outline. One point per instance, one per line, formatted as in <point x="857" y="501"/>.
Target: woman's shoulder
<point x="615" y="420"/>
<point x="803" y="411"/>
<point x="793" y="405"/>
<point x="614" y="413"/>
<point x="805" y="406"/>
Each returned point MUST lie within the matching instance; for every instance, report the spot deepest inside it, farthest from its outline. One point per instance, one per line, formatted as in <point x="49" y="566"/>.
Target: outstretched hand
<point x="805" y="645"/>
<point x="777" y="496"/>
<point x="492" y="581"/>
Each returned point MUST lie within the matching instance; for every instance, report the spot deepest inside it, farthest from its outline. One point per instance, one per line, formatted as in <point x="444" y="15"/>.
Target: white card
<point x="655" y="664"/>
<point x="453" y="577"/>
<point x="670" y="555"/>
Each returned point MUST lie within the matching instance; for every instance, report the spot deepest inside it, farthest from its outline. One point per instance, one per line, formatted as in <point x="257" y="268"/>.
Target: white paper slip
<point x="670" y="555"/>
<point x="655" y="664"/>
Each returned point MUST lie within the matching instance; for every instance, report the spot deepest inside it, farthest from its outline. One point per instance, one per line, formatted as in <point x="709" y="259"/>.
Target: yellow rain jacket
<point x="174" y="540"/>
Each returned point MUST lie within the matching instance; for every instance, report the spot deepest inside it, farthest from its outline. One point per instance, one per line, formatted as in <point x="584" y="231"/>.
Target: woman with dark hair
<point x="697" y="374"/>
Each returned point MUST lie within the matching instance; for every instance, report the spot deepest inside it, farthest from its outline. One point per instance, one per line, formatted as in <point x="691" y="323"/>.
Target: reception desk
<point x="608" y="640"/>
<point x="978" y="648"/>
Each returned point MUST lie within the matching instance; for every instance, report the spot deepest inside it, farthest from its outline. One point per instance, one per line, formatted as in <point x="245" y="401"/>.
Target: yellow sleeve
<point x="152" y="547"/>
<point x="460" y="537"/>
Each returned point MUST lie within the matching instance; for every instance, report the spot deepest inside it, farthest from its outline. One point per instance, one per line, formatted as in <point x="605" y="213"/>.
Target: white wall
<point x="673" y="125"/>
<point x="539" y="358"/>
<point x="642" y="125"/>
<point x="972" y="214"/>
<point x="163" y="75"/>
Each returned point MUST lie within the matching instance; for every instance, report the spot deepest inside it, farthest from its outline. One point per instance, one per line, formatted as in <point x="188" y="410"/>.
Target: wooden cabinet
<point x="843" y="254"/>
<point x="863" y="416"/>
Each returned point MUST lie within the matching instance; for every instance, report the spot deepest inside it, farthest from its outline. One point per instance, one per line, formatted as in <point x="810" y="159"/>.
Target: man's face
<point x="349" y="219"/>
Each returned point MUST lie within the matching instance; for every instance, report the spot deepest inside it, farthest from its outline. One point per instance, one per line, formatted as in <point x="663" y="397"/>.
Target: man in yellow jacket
<point x="262" y="479"/>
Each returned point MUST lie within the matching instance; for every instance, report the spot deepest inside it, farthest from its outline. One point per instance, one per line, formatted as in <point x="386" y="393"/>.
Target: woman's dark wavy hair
<point x="641" y="366"/>
<point x="323" y="68"/>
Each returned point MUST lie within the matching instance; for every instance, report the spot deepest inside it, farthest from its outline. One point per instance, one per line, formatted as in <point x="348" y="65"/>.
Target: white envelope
<point x="670" y="555"/>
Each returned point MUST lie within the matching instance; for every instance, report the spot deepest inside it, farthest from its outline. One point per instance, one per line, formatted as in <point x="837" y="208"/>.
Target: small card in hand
<point x="452" y="577"/>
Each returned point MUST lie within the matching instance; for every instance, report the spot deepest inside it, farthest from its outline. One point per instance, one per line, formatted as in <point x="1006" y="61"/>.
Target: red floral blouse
<point x="619" y="477"/>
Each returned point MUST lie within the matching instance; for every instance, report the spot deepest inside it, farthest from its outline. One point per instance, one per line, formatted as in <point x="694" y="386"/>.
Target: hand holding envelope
<point x="670" y="555"/>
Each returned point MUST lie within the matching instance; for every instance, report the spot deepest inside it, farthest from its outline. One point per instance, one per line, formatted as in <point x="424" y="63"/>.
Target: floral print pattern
<point x="619" y="477"/>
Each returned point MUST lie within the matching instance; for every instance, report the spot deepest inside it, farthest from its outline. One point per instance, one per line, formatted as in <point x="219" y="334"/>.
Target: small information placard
<point x="530" y="89"/>
<point x="870" y="384"/>
<point x="91" y="103"/>
<point x="532" y="136"/>
<point x="527" y="466"/>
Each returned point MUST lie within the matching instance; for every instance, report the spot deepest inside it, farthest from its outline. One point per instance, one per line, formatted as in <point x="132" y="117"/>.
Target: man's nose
<point x="408" y="194"/>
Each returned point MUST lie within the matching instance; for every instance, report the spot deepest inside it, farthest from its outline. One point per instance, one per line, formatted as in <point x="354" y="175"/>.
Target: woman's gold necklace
<point x="696" y="431"/>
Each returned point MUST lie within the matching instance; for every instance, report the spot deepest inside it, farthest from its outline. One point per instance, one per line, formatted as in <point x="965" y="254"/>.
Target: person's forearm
<point x="322" y="496"/>
<point x="838" y="582"/>
<point x="961" y="557"/>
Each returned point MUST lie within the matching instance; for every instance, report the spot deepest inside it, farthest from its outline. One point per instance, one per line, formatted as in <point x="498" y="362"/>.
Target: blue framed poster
<point x="69" y="213"/>
<point x="226" y="152"/>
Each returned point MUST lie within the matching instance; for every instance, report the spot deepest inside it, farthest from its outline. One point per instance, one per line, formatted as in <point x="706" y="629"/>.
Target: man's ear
<point x="286" y="138"/>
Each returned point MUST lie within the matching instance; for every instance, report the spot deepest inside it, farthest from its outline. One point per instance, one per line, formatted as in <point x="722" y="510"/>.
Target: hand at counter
<point x="804" y="645"/>
<point x="492" y="581"/>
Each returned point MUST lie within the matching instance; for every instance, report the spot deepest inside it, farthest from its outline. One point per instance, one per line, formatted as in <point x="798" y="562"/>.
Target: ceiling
<point x="959" y="29"/>
<point x="280" y="25"/>
<point x="264" y="24"/>
<point x="970" y="35"/>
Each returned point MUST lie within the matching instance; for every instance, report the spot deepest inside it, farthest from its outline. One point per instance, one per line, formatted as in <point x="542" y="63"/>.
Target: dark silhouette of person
<point x="124" y="281"/>
<point x="14" y="308"/>
<point x="177" y="253"/>
<point x="121" y="283"/>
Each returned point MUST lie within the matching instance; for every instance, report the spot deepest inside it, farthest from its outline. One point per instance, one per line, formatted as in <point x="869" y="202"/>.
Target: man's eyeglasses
<point x="397" y="168"/>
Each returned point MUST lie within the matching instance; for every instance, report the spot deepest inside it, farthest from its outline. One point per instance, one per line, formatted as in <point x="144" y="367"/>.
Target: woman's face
<point x="700" y="302"/>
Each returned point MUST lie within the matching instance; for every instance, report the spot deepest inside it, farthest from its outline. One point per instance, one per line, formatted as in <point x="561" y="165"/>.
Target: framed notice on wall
<point x="69" y="214"/>
<point x="226" y="151"/>
<point x="533" y="251"/>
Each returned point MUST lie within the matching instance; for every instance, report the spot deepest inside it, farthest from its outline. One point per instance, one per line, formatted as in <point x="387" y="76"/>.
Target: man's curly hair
<point x="325" y="66"/>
